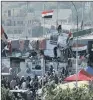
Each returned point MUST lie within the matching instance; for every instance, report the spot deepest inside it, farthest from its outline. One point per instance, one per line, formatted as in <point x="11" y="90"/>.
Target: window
<point x="29" y="31"/>
<point x="9" y="23"/>
<point x="19" y="31"/>
<point x="29" y="22"/>
<point x="36" y="65"/>
<point x="9" y="32"/>
<point x="20" y="22"/>
<point x="14" y="23"/>
<point x="3" y="22"/>
<point x="15" y="31"/>
<point x="9" y="13"/>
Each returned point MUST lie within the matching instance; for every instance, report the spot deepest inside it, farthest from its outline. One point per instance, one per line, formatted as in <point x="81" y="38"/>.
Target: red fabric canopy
<point x="82" y="76"/>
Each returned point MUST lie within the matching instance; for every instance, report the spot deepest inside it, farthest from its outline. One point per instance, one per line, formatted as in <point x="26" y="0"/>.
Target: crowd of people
<point x="32" y="85"/>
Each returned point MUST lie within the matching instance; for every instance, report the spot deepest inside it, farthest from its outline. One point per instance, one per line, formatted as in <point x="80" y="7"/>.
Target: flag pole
<point x="43" y="55"/>
<point x="57" y="16"/>
<point x="13" y="22"/>
<point x="44" y="22"/>
<point x="76" y="46"/>
<point x="27" y="21"/>
<point x="82" y="16"/>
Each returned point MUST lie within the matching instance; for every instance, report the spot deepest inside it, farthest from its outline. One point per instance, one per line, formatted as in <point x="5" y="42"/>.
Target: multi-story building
<point x="17" y="22"/>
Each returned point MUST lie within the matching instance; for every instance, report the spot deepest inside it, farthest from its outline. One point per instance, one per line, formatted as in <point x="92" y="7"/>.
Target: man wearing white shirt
<point x="24" y="85"/>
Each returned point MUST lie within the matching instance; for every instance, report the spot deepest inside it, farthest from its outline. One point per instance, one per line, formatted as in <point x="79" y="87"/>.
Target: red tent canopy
<point x="82" y="76"/>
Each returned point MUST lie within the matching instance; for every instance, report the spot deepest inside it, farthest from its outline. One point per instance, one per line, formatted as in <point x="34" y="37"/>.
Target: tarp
<point x="89" y="70"/>
<point x="81" y="76"/>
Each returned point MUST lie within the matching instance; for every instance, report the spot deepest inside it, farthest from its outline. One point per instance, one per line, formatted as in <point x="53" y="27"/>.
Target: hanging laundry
<point x="21" y="44"/>
<point x="35" y="44"/>
<point x="4" y="36"/>
<point x="15" y="44"/>
<point x="10" y="47"/>
<point x="26" y="43"/>
<point x="42" y="44"/>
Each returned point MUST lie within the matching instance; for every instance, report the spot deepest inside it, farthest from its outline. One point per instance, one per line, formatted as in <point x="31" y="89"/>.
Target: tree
<point x="6" y="94"/>
<point x="81" y="93"/>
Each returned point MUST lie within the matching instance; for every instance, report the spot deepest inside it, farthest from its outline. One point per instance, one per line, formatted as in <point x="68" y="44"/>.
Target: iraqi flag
<point x="4" y="36"/>
<point x="79" y="47"/>
<point x="47" y="14"/>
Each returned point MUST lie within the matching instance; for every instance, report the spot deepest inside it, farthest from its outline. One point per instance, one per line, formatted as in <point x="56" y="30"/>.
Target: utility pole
<point x="76" y="46"/>
<point x="43" y="66"/>
<point x="57" y="16"/>
<point x="82" y="16"/>
<point x="44" y="21"/>
<point x="27" y="22"/>
<point x="57" y="11"/>
<point x="13" y="23"/>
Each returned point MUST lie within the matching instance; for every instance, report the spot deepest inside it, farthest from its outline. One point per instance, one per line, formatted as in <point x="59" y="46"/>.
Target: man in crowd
<point x="13" y="83"/>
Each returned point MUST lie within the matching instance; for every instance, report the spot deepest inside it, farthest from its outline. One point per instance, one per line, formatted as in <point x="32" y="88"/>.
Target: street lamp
<point x="76" y="45"/>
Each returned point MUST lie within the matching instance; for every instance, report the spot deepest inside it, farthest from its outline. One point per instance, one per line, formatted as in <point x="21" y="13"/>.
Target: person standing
<point x="29" y="94"/>
<point x="51" y="69"/>
<point x="59" y="29"/>
<point x="24" y="85"/>
<point x="21" y="81"/>
<point x="56" y="79"/>
<point x="13" y="83"/>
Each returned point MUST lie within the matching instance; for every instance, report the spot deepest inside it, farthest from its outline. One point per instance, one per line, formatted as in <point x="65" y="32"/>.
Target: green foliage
<point x="81" y="93"/>
<point x="6" y="94"/>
